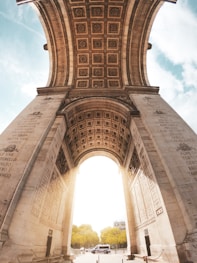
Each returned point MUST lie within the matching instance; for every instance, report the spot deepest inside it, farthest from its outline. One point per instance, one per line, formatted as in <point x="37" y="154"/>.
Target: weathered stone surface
<point x="98" y="100"/>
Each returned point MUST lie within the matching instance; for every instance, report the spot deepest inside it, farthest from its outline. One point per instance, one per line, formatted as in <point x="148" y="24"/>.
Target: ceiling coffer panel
<point x="97" y="44"/>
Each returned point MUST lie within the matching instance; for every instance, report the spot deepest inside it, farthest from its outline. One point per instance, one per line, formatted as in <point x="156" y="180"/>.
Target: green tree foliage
<point x="114" y="236"/>
<point x="83" y="236"/>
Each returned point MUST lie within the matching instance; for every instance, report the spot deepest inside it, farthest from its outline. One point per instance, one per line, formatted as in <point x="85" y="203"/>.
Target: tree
<point x="114" y="236"/>
<point x="122" y="239"/>
<point x="83" y="236"/>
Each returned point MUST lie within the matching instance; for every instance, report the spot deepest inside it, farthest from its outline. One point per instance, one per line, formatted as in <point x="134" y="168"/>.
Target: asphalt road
<point x="103" y="258"/>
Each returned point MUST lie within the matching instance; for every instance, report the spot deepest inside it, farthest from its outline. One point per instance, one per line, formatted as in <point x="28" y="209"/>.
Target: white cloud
<point x="190" y="75"/>
<point x="15" y="64"/>
<point x="170" y="86"/>
<point x="29" y="89"/>
<point x="9" y="61"/>
<point x="185" y="105"/>
<point x="23" y="62"/>
<point x="174" y="36"/>
<point x="175" y="32"/>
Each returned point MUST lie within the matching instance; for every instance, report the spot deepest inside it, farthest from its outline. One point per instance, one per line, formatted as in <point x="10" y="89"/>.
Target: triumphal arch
<point x="98" y="101"/>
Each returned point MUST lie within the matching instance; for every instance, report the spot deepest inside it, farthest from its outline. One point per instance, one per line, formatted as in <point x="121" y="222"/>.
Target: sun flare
<point x="99" y="199"/>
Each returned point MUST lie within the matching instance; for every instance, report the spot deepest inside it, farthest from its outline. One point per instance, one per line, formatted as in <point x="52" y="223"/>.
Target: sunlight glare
<point x="99" y="198"/>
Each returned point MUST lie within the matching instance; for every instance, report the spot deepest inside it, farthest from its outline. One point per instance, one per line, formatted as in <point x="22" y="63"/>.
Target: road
<point x="103" y="258"/>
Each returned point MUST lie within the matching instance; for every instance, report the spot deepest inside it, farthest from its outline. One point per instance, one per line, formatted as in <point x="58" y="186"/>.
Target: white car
<point x="101" y="249"/>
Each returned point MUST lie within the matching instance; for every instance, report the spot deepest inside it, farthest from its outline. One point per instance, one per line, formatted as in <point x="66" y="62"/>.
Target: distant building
<point x="120" y="224"/>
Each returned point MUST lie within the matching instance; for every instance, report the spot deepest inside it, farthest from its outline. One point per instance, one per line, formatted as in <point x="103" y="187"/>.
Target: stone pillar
<point x="131" y="235"/>
<point x="25" y="145"/>
<point x="164" y="139"/>
<point x="68" y="216"/>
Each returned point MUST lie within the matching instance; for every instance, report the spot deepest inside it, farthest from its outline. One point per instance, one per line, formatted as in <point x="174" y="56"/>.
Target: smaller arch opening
<point x="99" y="197"/>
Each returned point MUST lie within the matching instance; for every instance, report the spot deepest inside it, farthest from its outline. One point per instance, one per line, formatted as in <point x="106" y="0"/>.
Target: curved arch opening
<point x="99" y="199"/>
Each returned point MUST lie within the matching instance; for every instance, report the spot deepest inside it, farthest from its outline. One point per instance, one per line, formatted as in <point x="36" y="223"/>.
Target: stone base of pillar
<point x="130" y="257"/>
<point x="69" y="258"/>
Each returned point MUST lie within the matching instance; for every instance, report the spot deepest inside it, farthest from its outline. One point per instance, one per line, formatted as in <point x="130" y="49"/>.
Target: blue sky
<point x="172" y="62"/>
<point x="24" y="64"/>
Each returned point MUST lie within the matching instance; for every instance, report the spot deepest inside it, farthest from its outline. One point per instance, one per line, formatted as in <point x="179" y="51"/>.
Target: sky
<point x="172" y="62"/>
<point x="24" y="65"/>
<point x="171" y="65"/>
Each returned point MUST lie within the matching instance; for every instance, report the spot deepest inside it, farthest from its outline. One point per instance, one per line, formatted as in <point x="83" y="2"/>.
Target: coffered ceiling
<point x="102" y="125"/>
<point x="97" y="55"/>
<point x="97" y="44"/>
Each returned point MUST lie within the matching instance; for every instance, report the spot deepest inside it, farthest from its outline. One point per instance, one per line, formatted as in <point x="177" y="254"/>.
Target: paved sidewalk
<point x="103" y="258"/>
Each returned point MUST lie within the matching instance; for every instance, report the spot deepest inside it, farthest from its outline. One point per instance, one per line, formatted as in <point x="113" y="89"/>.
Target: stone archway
<point x="98" y="99"/>
<point x="98" y="123"/>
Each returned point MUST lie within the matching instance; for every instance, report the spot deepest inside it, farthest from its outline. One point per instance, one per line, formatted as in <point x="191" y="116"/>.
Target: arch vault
<point x="98" y="100"/>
